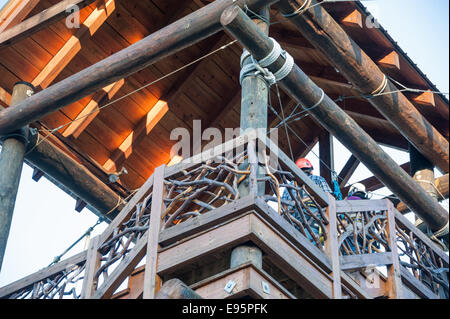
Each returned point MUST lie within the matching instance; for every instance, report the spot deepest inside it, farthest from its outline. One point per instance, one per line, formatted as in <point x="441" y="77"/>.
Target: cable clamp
<point x="382" y="87"/>
<point x="442" y="232"/>
<point x="305" y="6"/>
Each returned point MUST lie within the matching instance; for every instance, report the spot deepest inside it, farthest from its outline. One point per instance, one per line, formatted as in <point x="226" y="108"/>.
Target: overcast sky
<point x="45" y="222"/>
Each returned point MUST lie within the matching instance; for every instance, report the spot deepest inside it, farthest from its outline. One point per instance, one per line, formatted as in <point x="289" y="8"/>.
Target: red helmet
<point x="304" y="163"/>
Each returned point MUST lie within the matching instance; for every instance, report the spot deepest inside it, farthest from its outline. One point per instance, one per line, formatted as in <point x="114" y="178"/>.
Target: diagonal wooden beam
<point x="221" y="117"/>
<point x="348" y="170"/>
<point x="74" y="45"/>
<point x="373" y="183"/>
<point x="88" y="114"/>
<point x="14" y="12"/>
<point x="5" y="98"/>
<point x="40" y="21"/>
<point x="305" y="150"/>
<point x="144" y="127"/>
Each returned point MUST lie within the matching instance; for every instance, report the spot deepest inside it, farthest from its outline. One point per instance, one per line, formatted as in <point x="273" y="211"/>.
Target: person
<point x="357" y="192"/>
<point x="306" y="166"/>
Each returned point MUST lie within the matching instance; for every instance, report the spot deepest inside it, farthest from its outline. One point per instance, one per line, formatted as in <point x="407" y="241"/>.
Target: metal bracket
<point x="229" y="286"/>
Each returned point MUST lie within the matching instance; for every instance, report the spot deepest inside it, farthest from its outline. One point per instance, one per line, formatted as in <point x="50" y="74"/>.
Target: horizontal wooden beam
<point x="41" y="20"/>
<point x="355" y="262"/>
<point x="249" y="283"/>
<point x="76" y="178"/>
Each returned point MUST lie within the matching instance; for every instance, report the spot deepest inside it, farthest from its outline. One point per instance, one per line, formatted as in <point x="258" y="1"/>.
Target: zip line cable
<point x="87" y="233"/>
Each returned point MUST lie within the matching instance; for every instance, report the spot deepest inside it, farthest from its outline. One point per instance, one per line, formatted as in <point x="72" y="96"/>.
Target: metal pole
<point x="327" y="36"/>
<point x="11" y="162"/>
<point x="337" y="122"/>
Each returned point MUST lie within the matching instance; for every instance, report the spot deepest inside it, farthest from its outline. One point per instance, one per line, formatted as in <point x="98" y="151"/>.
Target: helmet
<point x="304" y="163"/>
<point x="357" y="188"/>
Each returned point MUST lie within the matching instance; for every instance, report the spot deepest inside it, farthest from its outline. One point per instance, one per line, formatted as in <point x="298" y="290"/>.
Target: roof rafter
<point x="40" y="21"/>
<point x="14" y="12"/>
<point x="88" y="114"/>
<point x="73" y="45"/>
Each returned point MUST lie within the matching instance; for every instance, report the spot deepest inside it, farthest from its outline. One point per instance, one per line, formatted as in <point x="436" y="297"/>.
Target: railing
<point x="422" y="258"/>
<point x="353" y="234"/>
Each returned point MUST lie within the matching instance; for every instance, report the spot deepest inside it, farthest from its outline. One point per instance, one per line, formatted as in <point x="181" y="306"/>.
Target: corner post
<point x="332" y="249"/>
<point x="152" y="282"/>
<point x="14" y="146"/>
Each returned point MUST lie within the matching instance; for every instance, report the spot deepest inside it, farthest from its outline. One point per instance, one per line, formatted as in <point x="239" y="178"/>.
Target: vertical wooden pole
<point x="255" y="89"/>
<point x="326" y="154"/>
<point x="422" y="170"/>
<point x="394" y="281"/>
<point x="253" y="160"/>
<point x="332" y="249"/>
<point x="92" y="264"/>
<point x="11" y="162"/>
<point x="152" y="283"/>
<point x="254" y="102"/>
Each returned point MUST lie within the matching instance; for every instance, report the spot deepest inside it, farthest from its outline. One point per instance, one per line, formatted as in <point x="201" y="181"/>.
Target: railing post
<point x="92" y="264"/>
<point x="331" y="248"/>
<point x="394" y="281"/>
<point x="152" y="282"/>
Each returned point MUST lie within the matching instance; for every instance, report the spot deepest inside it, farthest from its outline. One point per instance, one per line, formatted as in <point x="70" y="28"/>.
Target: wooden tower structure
<point x="93" y="92"/>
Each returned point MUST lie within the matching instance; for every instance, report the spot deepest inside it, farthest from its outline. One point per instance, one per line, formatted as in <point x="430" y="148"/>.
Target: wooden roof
<point x="135" y="132"/>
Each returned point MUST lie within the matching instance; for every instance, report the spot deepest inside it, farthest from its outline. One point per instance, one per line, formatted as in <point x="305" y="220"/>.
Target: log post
<point x="11" y="162"/>
<point x="176" y="289"/>
<point x="326" y="154"/>
<point x="327" y="36"/>
<point x="336" y="121"/>
<point x="254" y="103"/>
<point x="244" y="254"/>
<point x="422" y="171"/>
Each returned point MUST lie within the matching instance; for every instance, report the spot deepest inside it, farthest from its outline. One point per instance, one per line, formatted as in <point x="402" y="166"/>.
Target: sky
<point x="45" y="222"/>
